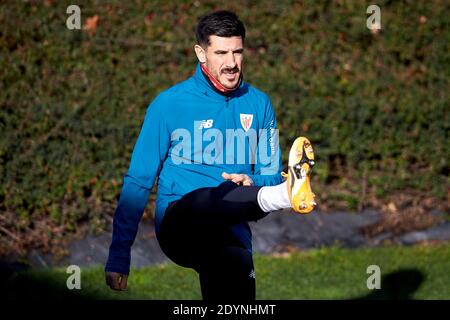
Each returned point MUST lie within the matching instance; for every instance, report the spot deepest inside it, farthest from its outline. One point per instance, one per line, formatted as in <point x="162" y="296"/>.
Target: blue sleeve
<point x="267" y="169"/>
<point x="133" y="200"/>
<point x="148" y="155"/>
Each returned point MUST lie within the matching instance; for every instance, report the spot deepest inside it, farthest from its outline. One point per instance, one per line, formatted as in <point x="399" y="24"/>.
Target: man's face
<point x="224" y="57"/>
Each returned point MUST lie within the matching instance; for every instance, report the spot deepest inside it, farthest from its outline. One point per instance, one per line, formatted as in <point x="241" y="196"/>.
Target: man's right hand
<point x="116" y="281"/>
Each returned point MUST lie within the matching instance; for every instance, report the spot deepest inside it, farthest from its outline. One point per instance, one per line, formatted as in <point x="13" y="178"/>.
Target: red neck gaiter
<point x="217" y="85"/>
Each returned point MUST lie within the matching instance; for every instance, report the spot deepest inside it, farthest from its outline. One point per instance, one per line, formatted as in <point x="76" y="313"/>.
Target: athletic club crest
<point x="246" y="121"/>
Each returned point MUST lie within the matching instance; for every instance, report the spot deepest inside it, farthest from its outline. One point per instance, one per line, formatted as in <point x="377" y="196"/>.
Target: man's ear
<point x="200" y="52"/>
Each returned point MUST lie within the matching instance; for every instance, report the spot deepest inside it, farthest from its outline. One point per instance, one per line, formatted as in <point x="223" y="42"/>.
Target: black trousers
<point x="196" y="233"/>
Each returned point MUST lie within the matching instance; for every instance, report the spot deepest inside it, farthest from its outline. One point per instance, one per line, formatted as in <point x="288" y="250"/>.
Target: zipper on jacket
<point x="227" y="100"/>
<point x="226" y="128"/>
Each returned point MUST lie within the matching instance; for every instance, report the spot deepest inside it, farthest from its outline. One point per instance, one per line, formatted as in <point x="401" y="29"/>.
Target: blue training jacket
<point x="190" y="135"/>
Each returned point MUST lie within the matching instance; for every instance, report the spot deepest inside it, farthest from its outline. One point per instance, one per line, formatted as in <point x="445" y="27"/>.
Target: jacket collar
<point x="206" y="87"/>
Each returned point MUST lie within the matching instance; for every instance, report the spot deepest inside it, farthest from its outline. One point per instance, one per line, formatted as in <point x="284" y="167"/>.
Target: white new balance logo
<point x="252" y="274"/>
<point x="206" y="123"/>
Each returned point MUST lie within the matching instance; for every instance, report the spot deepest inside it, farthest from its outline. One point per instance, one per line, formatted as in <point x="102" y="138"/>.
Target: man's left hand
<point x="238" y="178"/>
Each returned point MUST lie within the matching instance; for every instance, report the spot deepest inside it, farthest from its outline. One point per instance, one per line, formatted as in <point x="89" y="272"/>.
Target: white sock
<point x="272" y="198"/>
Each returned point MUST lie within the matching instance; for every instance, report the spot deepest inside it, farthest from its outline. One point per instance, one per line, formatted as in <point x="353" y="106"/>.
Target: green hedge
<point x="375" y="106"/>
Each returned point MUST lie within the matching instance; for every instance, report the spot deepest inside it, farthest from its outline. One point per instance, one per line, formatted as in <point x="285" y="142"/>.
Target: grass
<point x="417" y="272"/>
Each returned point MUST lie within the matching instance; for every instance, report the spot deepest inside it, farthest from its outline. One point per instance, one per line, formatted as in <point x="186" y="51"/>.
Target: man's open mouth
<point x="231" y="75"/>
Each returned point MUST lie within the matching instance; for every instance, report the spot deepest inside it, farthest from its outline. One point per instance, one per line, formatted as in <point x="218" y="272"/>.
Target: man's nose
<point x="230" y="60"/>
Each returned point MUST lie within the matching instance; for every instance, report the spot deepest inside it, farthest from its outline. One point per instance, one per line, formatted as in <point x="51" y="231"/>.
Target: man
<point x="210" y="184"/>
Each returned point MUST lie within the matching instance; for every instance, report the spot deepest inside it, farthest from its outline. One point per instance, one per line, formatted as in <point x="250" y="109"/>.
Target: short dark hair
<point x="221" y="23"/>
